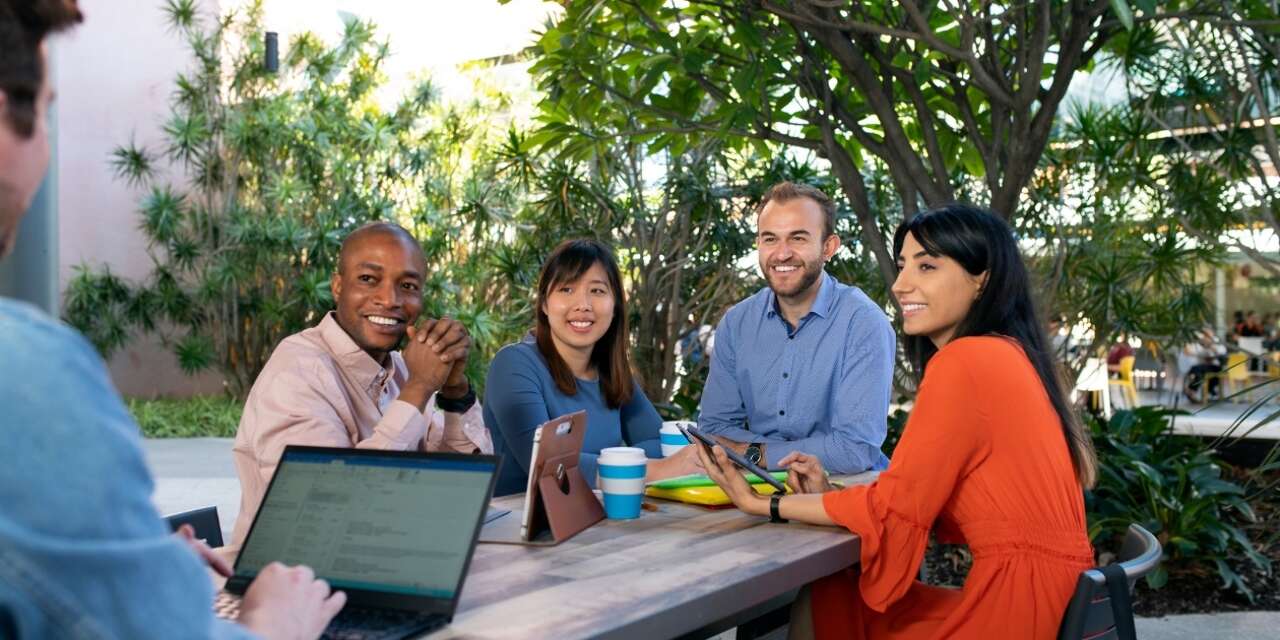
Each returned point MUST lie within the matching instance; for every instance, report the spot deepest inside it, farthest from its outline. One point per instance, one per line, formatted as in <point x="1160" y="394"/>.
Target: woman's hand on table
<point x="721" y="471"/>
<point x="680" y="463"/>
<point x="805" y="473"/>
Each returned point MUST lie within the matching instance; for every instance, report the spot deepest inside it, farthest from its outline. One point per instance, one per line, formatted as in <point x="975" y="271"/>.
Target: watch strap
<point x="457" y="405"/>
<point x="775" y="501"/>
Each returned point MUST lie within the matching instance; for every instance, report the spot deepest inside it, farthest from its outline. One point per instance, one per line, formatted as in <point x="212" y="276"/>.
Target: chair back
<point x="1126" y="368"/>
<point x="1089" y="613"/>
<point x="204" y="521"/>
<point x="1238" y="367"/>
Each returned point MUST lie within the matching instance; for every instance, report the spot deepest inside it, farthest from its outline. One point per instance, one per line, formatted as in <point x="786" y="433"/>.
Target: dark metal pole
<point x="272" y="62"/>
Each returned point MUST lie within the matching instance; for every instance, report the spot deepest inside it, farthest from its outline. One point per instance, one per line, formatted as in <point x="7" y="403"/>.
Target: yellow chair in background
<point x="1236" y="373"/>
<point x="1273" y="367"/>
<point x="1125" y="381"/>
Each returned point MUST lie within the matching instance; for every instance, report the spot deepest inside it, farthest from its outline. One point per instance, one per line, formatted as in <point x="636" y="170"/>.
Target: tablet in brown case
<point x="560" y="500"/>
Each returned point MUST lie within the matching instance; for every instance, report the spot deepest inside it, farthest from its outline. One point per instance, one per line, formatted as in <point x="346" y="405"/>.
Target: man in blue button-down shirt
<point x="806" y="363"/>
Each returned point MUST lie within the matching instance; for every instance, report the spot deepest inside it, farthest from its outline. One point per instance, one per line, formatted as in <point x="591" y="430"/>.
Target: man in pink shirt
<point x="343" y="384"/>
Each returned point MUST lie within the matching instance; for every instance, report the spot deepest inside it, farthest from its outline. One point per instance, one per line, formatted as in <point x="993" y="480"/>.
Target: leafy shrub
<point x="1173" y="486"/>
<point x="897" y="421"/>
<point x="283" y="166"/>
<point x="197" y="417"/>
<point x="279" y="168"/>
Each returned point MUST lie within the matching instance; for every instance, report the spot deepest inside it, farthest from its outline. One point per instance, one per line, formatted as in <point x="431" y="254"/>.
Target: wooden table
<point x="670" y="572"/>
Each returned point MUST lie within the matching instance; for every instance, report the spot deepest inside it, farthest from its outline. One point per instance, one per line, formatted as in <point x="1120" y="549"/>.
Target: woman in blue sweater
<point x="575" y="358"/>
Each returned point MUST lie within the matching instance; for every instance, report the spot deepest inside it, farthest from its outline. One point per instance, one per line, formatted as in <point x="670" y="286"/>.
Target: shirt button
<point x="784" y="374"/>
<point x="791" y="337"/>
<point x="782" y="413"/>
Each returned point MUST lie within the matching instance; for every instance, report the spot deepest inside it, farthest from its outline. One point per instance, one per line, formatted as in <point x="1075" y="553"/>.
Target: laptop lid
<point x="394" y="529"/>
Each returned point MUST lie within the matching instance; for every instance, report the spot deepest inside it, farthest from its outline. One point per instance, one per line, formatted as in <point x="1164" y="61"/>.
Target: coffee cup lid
<point x="624" y="455"/>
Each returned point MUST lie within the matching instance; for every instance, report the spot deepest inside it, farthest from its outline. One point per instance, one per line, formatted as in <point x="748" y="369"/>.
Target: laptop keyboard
<point x="226" y="605"/>
<point x="353" y="623"/>
<point x="370" y="624"/>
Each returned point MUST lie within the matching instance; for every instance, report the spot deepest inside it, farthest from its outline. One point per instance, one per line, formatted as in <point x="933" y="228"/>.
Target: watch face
<point x="753" y="454"/>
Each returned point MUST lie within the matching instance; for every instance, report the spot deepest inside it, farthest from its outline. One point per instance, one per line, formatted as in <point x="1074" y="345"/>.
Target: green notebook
<point x="701" y="480"/>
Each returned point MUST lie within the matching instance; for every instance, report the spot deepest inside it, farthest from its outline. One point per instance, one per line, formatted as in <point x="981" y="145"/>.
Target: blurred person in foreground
<point x="83" y="553"/>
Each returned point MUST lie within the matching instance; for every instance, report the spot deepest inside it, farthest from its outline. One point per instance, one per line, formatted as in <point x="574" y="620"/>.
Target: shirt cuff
<point x="402" y="425"/>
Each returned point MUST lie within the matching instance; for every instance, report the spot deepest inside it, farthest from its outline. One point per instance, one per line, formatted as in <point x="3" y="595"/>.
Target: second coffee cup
<point x="672" y="438"/>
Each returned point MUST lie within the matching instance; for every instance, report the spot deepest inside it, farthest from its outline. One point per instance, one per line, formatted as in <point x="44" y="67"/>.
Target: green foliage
<point x="893" y="106"/>
<point x="1112" y="254"/>
<point x="104" y="307"/>
<point x="1174" y="487"/>
<point x="279" y="168"/>
<point x="198" y="417"/>
<point x="660" y="126"/>
<point x="897" y="422"/>
<point x="679" y="238"/>
<point x="949" y="100"/>
<point x="1204" y="90"/>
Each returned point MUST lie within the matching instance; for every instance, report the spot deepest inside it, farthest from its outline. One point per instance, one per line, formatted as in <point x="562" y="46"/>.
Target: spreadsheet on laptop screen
<point x="387" y="524"/>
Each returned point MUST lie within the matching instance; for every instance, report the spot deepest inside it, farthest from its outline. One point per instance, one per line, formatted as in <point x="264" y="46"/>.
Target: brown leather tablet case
<point x="561" y="501"/>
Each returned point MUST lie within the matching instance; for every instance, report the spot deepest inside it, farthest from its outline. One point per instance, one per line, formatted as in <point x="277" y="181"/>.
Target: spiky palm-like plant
<point x="278" y="169"/>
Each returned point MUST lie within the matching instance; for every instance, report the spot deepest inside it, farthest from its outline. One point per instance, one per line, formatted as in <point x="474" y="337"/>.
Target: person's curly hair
<point x="23" y="26"/>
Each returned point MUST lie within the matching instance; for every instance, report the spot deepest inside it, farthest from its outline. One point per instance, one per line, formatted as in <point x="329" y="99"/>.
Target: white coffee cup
<point x="672" y="438"/>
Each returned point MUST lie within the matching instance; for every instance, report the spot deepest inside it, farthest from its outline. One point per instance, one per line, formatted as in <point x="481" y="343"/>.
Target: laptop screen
<point x="375" y="521"/>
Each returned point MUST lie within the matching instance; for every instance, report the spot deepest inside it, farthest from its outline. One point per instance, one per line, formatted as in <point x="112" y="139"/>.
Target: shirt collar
<point x="355" y="362"/>
<point x="821" y="304"/>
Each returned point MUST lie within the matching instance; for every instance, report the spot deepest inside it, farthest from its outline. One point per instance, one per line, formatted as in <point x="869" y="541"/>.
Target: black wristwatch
<point x="753" y="452"/>
<point x="457" y="405"/>
<point x="775" y="501"/>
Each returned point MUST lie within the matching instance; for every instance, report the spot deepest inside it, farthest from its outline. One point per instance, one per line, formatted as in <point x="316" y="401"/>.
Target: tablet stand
<point x="565" y="502"/>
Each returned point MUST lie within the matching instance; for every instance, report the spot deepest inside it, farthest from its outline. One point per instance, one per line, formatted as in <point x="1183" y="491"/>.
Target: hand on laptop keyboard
<point x="289" y="603"/>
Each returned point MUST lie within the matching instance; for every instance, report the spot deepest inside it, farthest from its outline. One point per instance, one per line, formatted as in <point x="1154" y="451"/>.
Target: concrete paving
<point x="1248" y="625"/>
<point x="195" y="472"/>
<point x="1214" y="419"/>
<point x="198" y="472"/>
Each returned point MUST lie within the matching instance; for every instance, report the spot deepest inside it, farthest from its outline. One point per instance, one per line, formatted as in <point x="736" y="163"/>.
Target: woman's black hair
<point x="981" y="241"/>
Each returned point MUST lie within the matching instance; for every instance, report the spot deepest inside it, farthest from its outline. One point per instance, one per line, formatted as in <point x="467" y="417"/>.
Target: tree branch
<point x="856" y="192"/>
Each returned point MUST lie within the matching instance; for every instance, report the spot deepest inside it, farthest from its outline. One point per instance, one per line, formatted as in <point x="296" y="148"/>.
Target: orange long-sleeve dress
<point x="983" y="462"/>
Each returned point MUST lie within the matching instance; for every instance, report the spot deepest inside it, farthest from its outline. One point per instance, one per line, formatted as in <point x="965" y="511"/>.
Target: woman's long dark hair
<point x="982" y="242"/>
<point x="565" y="264"/>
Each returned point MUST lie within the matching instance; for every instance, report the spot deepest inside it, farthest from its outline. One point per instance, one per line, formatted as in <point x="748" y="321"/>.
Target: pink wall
<point x="113" y="76"/>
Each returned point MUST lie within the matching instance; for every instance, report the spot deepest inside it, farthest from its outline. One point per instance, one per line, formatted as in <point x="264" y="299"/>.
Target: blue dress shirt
<point x="520" y="395"/>
<point x="821" y="388"/>
<point x="83" y="553"/>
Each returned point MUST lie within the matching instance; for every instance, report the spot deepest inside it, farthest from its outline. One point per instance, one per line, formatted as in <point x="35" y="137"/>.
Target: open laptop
<point x="394" y="530"/>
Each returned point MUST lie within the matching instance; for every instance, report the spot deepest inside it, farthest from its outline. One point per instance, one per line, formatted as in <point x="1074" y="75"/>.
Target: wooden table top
<point x="667" y="573"/>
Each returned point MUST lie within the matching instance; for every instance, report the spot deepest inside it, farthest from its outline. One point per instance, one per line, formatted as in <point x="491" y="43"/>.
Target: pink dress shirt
<point x="319" y="388"/>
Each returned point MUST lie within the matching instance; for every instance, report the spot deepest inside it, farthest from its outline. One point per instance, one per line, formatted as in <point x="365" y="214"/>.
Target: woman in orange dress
<point x="991" y="457"/>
